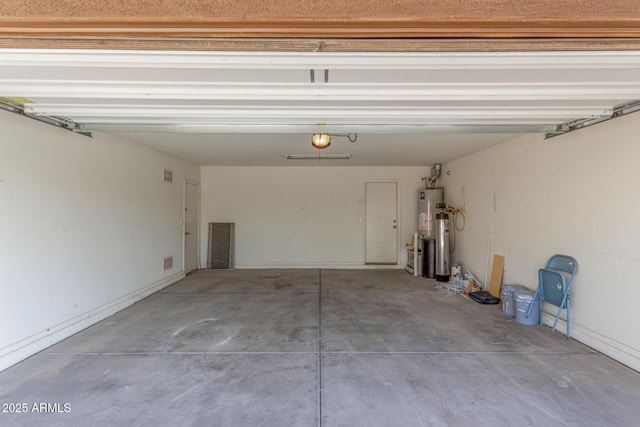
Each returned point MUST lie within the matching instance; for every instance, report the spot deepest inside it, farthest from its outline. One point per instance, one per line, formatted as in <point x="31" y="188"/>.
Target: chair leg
<point x="555" y="324"/>
<point x="533" y="300"/>
<point x="541" y="312"/>
<point x="568" y="320"/>
<point x="564" y="304"/>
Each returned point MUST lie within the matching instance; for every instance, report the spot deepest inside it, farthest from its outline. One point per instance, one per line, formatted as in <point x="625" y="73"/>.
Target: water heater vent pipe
<point x="435" y="174"/>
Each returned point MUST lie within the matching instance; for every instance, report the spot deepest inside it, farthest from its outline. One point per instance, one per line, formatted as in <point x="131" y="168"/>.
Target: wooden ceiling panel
<point x="326" y="19"/>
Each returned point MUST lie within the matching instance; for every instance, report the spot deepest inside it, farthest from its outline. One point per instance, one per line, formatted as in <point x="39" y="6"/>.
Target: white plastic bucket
<point x="522" y="299"/>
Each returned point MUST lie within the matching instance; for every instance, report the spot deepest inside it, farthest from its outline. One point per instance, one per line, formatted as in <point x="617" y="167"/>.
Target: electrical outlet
<point x="167" y="263"/>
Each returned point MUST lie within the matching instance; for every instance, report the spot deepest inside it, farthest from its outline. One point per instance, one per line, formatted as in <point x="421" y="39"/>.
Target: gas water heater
<point x="443" y="260"/>
<point x="428" y="198"/>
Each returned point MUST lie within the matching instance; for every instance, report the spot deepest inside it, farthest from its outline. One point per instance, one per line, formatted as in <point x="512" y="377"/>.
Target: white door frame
<point x="184" y="225"/>
<point x="364" y="222"/>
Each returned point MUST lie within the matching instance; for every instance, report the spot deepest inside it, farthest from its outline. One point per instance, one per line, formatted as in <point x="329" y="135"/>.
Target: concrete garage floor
<point x="242" y="348"/>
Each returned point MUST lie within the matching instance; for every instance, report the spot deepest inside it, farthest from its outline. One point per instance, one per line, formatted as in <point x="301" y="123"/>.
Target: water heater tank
<point x="443" y="260"/>
<point x="427" y="201"/>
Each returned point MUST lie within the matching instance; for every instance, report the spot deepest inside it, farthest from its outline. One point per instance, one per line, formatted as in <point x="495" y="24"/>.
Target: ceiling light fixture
<point x="321" y="140"/>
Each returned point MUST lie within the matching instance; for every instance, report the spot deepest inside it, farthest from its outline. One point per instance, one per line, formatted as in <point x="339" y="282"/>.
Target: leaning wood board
<point x="496" y="276"/>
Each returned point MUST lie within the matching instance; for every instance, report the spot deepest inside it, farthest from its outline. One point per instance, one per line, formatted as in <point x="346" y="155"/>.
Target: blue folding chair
<point x="554" y="286"/>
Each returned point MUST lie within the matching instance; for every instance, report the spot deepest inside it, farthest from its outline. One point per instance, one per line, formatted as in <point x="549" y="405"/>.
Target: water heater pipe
<point x="435" y="174"/>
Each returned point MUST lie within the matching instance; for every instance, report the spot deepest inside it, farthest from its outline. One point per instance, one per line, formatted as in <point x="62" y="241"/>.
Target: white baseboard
<point x="27" y="347"/>
<point x="624" y="354"/>
<point x="302" y="265"/>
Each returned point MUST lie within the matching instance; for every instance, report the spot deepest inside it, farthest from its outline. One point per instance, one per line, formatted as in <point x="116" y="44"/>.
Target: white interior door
<point x="191" y="221"/>
<point x="381" y="239"/>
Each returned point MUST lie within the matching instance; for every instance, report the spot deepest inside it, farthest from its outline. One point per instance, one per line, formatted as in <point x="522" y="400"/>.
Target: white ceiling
<point x="370" y="149"/>
<point x="253" y="108"/>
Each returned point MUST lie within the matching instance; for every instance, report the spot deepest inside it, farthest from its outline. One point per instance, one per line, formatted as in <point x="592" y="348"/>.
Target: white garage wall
<point x="85" y="224"/>
<point x="302" y="216"/>
<point x="576" y="195"/>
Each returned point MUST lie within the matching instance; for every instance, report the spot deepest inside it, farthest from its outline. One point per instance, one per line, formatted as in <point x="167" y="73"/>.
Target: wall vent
<point x="168" y="175"/>
<point x="167" y="263"/>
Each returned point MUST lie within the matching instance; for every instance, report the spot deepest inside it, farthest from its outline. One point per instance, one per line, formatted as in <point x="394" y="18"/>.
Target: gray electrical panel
<point x="220" y="252"/>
